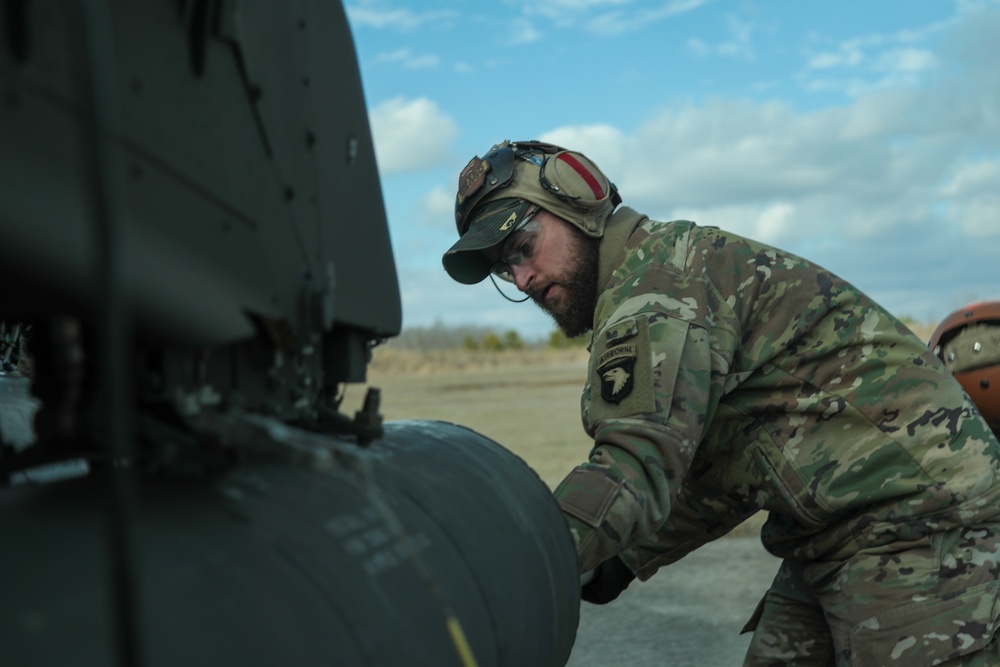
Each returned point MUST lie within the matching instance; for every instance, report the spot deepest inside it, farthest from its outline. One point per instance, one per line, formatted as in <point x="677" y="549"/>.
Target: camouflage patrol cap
<point x="465" y="261"/>
<point x="563" y="182"/>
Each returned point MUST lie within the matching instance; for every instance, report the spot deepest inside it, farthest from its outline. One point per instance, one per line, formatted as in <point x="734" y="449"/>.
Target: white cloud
<point x="900" y="158"/>
<point x="408" y="59"/>
<point x="871" y="62"/>
<point x="776" y="221"/>
<point x="616" y="23"/>
<point x="974" y="178"/>
<point x="848" y="54"/>
<point x="974" y="195"/>
<point x="422" y="62"/>
<point x="523" y="31"/>
<point x="563" y="10"/>
<point x="601" y="143"/>
<point x="740" y="44"/>
<point x="906" y="60"/>
<point x="698" y="47"/>
<point x="881" y="113"/>
<point x="729" y="152"/>
<point x="411" y="135"/>
<point x="979" y="217"/>
<point x="438" y="208"/>
<point x="762" y="222"/>
<point x="378" y="15"/>
<point x="609" y="23"/>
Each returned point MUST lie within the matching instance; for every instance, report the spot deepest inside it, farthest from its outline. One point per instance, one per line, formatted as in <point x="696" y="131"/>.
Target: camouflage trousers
<point x="934" y="602"/>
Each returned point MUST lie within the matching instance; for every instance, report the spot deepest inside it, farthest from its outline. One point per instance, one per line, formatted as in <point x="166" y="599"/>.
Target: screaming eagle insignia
<point x="616" y="371"/>
<point x="618" y="377"/>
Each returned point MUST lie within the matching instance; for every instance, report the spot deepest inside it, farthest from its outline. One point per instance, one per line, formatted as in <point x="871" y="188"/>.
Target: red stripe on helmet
<point x="585" y="174"/>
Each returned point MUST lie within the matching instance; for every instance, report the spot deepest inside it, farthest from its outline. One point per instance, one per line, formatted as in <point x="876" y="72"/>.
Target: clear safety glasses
<point x="519" y="247"/>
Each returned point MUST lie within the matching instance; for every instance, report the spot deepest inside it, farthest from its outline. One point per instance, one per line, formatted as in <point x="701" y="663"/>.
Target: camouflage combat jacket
<point x="727" y="377"/>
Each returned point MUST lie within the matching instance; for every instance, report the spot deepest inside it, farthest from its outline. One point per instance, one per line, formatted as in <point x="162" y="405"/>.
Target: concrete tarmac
<point x="689" y="613"/>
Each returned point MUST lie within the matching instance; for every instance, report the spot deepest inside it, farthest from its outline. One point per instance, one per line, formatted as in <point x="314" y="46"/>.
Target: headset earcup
<point x="577" y="178"/>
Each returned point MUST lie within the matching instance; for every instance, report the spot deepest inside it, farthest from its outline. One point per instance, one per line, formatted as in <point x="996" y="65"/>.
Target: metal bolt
<point x="352" y="149"/>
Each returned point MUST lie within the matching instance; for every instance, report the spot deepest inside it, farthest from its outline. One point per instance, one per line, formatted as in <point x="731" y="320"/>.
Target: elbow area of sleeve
<point x="591" y="498"/>
<point x="588" y="493"/>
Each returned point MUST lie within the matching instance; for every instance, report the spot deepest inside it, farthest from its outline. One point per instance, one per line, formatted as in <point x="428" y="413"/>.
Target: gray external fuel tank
<point x="364" y="560"/>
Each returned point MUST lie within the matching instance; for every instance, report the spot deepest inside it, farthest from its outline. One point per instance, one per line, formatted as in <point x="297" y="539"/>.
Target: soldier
<point x="968" y="341"/>
<point x="728" y="377"/>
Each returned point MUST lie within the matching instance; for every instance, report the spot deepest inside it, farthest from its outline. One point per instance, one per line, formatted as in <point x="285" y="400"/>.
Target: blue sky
<point x="864" y="136"/>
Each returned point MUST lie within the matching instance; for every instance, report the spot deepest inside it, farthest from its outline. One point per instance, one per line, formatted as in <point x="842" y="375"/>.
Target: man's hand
<point x="606" y="582"/>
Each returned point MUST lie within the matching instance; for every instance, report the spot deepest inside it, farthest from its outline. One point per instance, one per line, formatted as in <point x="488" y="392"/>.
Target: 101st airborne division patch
<point x="616" y="371"/>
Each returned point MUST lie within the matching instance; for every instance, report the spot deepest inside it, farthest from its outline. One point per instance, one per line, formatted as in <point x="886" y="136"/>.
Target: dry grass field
<point x="527" y="400"/>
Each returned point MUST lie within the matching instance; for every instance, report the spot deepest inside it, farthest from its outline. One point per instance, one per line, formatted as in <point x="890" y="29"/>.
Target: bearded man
<point x="726" y="377"/>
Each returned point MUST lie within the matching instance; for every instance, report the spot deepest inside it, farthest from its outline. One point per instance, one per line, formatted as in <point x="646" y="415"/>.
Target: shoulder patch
<point x="620" y="365"/>
<point x="621" y="331"/>
<point x="616" y="369"/>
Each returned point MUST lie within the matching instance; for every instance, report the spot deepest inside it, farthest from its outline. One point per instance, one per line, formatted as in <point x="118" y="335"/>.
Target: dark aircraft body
<point x="194" y="258"/>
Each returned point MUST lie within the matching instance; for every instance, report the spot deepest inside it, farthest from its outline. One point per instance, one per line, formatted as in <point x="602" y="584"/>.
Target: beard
<point x="575" y="317"/>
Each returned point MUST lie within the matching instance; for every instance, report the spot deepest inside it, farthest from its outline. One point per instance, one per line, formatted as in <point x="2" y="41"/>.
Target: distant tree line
<point x="477" y="338"/>
<point x="491" y="342"/>
<point x="440" y="337"/>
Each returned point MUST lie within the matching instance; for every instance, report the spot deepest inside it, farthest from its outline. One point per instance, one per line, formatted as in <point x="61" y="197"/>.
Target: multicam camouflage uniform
<point x="728" y="377"/>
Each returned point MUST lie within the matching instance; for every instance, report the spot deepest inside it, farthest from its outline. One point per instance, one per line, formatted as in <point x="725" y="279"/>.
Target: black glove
<point x="610" y="578"/>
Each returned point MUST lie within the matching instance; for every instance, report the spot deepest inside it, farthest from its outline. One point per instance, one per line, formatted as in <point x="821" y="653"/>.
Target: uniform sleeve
<point x="654" y="382"/>
<point x="695" y="519"/>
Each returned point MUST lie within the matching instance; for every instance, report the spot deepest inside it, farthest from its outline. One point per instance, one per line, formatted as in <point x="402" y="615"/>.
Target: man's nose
<point x="524" y="274"/>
